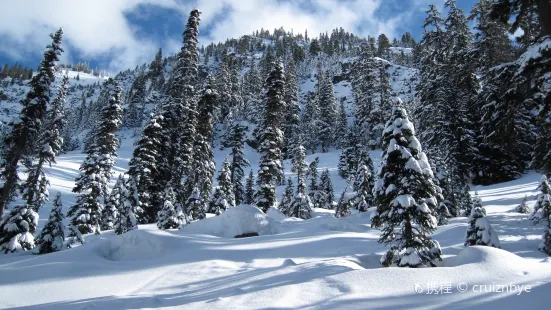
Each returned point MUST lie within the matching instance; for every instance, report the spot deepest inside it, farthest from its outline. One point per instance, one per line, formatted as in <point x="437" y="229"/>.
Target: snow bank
<point x="488" y="257"/>
<point x="235" y="221"/>
<point x="133" y="245"/>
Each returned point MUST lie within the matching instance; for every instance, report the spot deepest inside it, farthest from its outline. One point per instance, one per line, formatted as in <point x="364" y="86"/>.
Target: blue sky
<point x="115" y="35"/>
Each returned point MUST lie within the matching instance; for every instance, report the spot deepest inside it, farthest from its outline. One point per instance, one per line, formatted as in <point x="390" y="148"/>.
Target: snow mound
<point x="491" y="257"/>
<point x="131" y="246"/>
<point x="235" y="221"/>
<point x="275" y="214"/>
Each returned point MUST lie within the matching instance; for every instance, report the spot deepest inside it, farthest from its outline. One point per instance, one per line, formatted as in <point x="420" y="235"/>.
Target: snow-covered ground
<point x="322" y="263"/>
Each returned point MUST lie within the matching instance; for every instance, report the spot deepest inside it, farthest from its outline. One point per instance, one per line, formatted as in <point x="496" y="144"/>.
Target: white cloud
<point x="99" y="28"/>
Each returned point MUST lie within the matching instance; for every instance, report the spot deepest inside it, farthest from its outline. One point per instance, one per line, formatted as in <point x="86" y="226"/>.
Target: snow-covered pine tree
<point x="291" y="120"/>
<point x="443" y="213"/>
<point x="405" y="196"/>
<point x="170" y="216"/>
<point x="545" y="245"/>
<point x="309" y="126"/>
<point x="52" y="236"/>
<point x="542" y="207"/>
<point x="133" y="114"/>
<point x="312" y="177"/>
<point x="328" y="112"/>
<point x="252" y="90"/>
<point x="477" y="203"/>
<point x="271" y="139"/>
<point x="301" y="206"/>
<point x="385" y="93"/>
<point x="248" y="198"/>
<point x="30" y="119"/>
<point x="238" y="162"/>
<point x="132" y="198"/>
<point x="17" y="229"/>
<point x="203" y="157"/>
<point x="50" y="142"/>
<point x="155" y="73"/>
<point x="348" y="161"/>
<point x="364" y="181"/>
<point x="223" y="197"/>
<point x="327" y="196"/>
<point x="479" y="231"/>
<point x="297" y="162"/>
<point x="431" y="48"/>
<point x="456" y="127"/>
<point x="364" y="84"/>
<point x="110" y="212"/>
<point x="345" y="202"/>
<point x="491" y="46"/>
<point x="143" y="166"/>
<point x="179" y="112"/>
<point x="126" y="219"/>
<point x="523" y="206"/>
<point x="341" y="128"/>
<point x="287" y="199"/>
<point x="195" y="206"/>
<point x="223" y="89"/>
<point x="95" y="172"/>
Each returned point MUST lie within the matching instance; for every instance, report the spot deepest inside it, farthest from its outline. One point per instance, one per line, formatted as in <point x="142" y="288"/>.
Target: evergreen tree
<point x="170" y="216"/>
<point x="383" y="45"/>
<point x="327" y="195"/>
<point x="479" y="231"/>
<point x="345" y="202"/>
<point x="443" y="213"/>
<point x="113" y="204"/>
<point x="52" y="236"/>
<point x="364" y="84"/>
<point x="341" y="128"/>
<point x="92" y="183"/>
<point x="17" y="229"/>
<point x="287" y="200"/>
<point x="385" y="100"/>
<point x="523" y="206"/>
<point x="35" y="190"/>
<point x="144" y="167"/>
<point x="328" y="113"/>
<point x="203" y="157"/>
<point x="179" y="112"/>
<point x="542" y="207"/>
<point x="405" y="197"/>
<point x="310" y="123"/>
<point x="270" y="167"/>
<point x="126" y="220"/>
<point x="156" y="71"/>
<point x="133" y="115"/>
<point x="223" y="197"/>
<point x="30" y="119"/>
<point x="292" y="110"/>
<point x="299" y="153"/>
<point x="312" y="176"/>
<point x="348" y="158"/>
<point x="545" y="245"/>
<point x="252" y="91"/>
<point x="195" y="206"/>
<point x="239" y="162"/>
<point x="491" y="46"/>
<point x="363" y="183"/>
<point x="249" y="189"/>
<point x="301" y="206"/>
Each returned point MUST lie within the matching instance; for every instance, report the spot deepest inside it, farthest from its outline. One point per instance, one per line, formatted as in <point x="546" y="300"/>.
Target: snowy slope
<point x="322" y="263"/>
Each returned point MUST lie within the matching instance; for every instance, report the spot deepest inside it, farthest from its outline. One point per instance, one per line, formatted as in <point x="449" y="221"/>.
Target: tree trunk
<point x="544" y="12"/>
